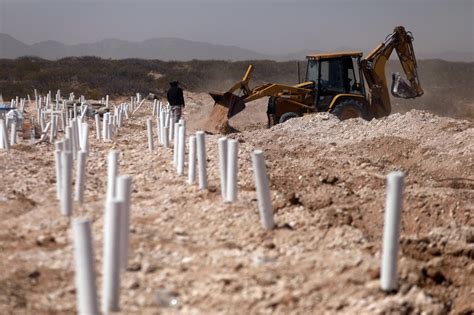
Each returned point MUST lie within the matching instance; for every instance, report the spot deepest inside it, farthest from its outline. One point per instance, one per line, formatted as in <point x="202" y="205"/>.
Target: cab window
<point x="312" y="71"/>
<point x="331" y="75"/>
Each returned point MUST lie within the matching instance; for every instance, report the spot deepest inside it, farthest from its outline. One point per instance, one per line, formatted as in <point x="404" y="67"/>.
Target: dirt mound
<point x="328" y="188"/>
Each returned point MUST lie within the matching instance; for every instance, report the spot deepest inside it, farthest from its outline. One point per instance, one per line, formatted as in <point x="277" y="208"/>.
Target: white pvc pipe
<point x="56" y="117"/>
<point x="167" y="118"/>
<point x="166" y="141"/>
<point x="85" y="268"/>
<point x="45" y="131"/>
<point x="111" y="262"/>
<point x="124" y="193"/>
<point x="66" y="183"/>
<point x="4" y="144"/>
<point x="79" y="133"/>
<point x="112" y="170"/>
<point x="105" y="126"/>
<point x="154" y="108"/>
<point x="201" y="157"/>
<point x="81" y="176"/>
<point x="391" y="233"/>
<point x="172" y="128"/>
<point x="13" y="133"/>
<point x="75" y="137"/>
<point x="110" y="128"/>
<point x="83" y="113"/>
<point x="232" y="170"/>
<point x="159" y="132"/>
<point x="67" y="139"/>
<point x="192" y="160"/>
<point x="57" y="159"/>
<point x="54" y="127"/>
<point x="97" y="126"/>
<point x="63" y="121"/>
<point x="149" y="129"/>
<point x="175" y="147"/>
<point x="181" y="149"/>
<point x="222" y="146"/>
<point x="120" y="118"/>
<point x="85" y="138"/>
<point x="41" y="118"/>
<point x="263" y="190"/>
<point x="162" y="126"/>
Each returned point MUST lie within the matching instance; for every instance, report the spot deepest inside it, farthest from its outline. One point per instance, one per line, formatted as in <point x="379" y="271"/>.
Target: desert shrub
<point x="447" y="85"/>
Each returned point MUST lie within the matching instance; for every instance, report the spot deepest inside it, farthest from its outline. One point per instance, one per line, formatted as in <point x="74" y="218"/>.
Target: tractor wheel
<point x="287" y="116"/>
<point x="350" y="108"/>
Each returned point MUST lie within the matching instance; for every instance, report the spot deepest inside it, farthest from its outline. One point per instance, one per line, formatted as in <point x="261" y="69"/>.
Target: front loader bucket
<point x="226" y="105"/>
<point x="401" y="88"/>
<point x="233" y="103"/>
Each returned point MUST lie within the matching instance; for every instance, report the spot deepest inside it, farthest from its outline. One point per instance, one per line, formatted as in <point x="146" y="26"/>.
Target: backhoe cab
<point x="344" y="84"/>
<point x="336" y="78"/>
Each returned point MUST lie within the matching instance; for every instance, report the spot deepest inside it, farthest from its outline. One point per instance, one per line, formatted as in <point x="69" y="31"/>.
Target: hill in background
<point x="168" y="48"/>
<point x="156" y="48"/>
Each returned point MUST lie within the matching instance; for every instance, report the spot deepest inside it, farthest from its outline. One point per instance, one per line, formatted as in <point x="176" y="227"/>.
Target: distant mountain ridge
<point x="164" y="48"/>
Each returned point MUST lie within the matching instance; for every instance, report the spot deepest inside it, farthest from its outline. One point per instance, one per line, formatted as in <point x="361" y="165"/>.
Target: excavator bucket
<point x="401" y="88"/>
<point x="226" y="105"/>
<point x="233" y="103"/>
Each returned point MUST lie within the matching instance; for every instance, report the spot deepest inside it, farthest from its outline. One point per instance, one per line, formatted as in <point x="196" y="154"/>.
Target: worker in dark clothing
<point x="176" y="100"/>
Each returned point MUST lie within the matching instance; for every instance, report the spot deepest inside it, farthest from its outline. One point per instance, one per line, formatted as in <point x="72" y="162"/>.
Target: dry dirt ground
<point x="191" y="253"/>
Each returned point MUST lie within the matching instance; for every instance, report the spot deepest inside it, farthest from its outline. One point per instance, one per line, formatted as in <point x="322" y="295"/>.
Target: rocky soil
<point x="191" y="253"/>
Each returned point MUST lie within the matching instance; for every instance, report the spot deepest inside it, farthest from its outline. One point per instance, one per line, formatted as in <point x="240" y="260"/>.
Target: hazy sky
<point x="266" y="26"/>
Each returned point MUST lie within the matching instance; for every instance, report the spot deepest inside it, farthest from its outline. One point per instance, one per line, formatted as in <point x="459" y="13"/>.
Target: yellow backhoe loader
<point x="344" y="84"/>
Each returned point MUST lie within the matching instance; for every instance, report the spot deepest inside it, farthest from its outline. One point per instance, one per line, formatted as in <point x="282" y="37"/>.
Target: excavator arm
<point x="235" y="104"/>
<point x="373" y="67"/>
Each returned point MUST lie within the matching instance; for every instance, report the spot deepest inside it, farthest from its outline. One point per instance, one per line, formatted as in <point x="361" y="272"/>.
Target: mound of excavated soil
<point x="328" y="187"/>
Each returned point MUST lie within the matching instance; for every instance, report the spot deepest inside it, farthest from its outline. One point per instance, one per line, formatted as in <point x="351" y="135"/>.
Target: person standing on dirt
<point x="176" y="100"/>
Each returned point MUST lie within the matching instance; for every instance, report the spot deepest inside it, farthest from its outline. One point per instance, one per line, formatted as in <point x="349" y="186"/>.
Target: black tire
<point x="351" y="108"/>
<point x="287" y="116"/>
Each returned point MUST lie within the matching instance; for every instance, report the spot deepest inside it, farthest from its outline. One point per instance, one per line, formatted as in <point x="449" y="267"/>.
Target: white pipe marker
<point x="192" y="160"/>
<point x="66" y="183"/>
<point x="124" y="193"/>
<point x="181" y="149"/>
<point x="263" y="190"/>
<point x="85" y="268"/>
<point x="222" y="146"/>
<point x="111" y="263"/>
<point x="232" y="170"/>
<point x="80" y="176"/>
<point x="97" y="126"/>
<point x="201" y="157"/>
<point x="391" y="233"/>
<point x="112" y="170"/>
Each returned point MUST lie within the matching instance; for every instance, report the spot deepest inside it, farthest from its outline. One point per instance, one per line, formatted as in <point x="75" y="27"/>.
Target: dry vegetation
<point x="447" y="85"/>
